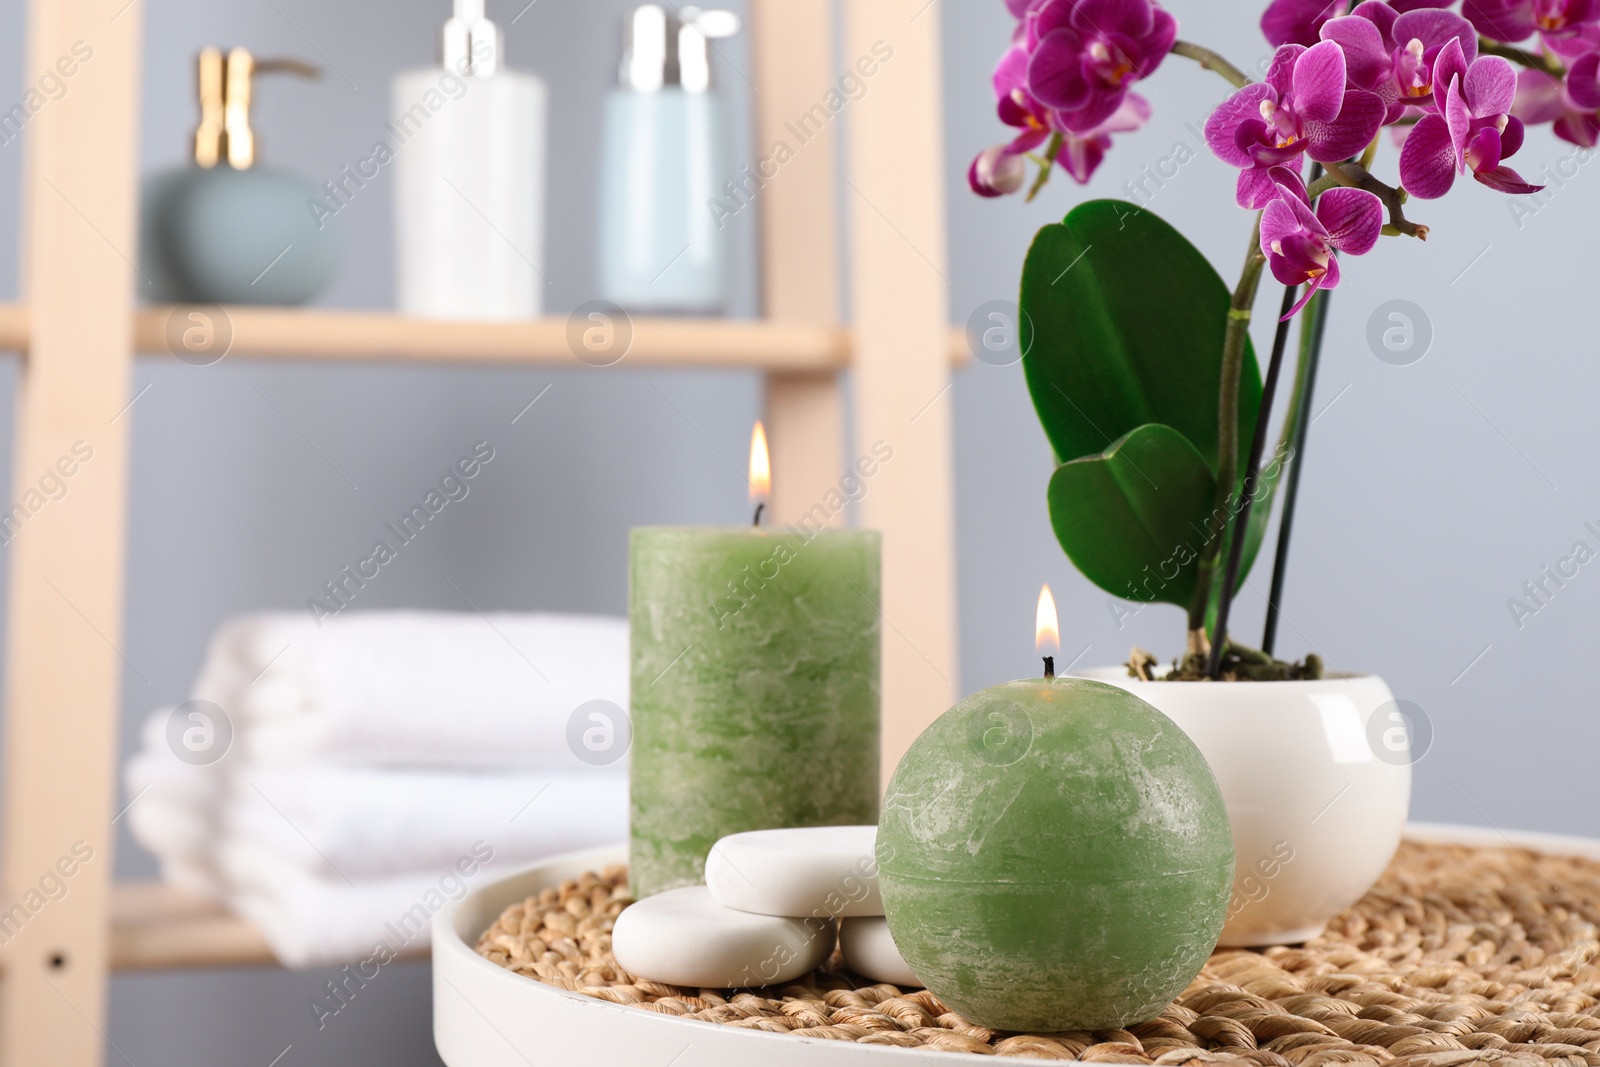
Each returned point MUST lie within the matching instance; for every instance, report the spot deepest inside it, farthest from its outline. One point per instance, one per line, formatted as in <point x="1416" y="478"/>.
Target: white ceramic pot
<point x="1317" y="780"/>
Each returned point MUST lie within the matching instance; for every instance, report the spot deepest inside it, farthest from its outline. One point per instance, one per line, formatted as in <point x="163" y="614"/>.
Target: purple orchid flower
<point x="1082" y="153"/>
<point x="1301" y="21"/>
<point x="1395" y="56"/>
<point x="1085" y="54"/>
<point x="1016" y="105"/>
<point x="1002" y="169"/>
<point x="1542" y="98"/>
<point x="1299" y="243"/>
<point x="1583" y="82"/>
<point x="1474" y="129"/>
<point x="1303" y="108"/>
<point x="1517" y="20"/>
<point x="1574" y="43"/>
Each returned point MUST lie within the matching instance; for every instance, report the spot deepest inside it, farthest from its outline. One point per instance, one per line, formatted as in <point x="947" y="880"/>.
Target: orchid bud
<point x="997" y="171"/>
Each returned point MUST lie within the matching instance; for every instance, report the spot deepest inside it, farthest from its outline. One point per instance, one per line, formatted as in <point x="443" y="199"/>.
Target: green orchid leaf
<point x="1127" y="325"/>
<point x="1132" y="517"/>
<point x="1136" y="519"/>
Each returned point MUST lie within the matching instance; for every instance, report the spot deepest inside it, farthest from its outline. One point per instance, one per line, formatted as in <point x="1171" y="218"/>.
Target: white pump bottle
<point x="469" y="142"/>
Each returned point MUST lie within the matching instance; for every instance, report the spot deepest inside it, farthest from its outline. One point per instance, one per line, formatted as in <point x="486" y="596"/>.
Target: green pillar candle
<point x="755" y="677"/>
<point x="1054" y="855"/>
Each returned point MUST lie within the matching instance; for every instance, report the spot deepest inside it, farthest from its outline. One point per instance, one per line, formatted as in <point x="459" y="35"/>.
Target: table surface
<point x="488" y="1016"/>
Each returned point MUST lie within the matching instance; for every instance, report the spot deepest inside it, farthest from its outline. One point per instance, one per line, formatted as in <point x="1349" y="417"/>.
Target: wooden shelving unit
<point x="156" y="927"/>
<point x="378" y="336"/>
<point x="79" y="330"/>
<point x="277" y="333"/>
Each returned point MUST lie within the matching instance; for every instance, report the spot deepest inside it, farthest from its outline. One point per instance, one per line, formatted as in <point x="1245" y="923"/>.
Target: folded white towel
<point x="361" y="823"/>
<point x="311" y="921"/>
<point x="169" y="829"/>
<point x="157" y="774"/>
<point x="172" y="810"/>
<point x="379" y="766"/>
<point x="157" y="769"/>
<point x="420" y="688"/>
<point x="197" y="878"/>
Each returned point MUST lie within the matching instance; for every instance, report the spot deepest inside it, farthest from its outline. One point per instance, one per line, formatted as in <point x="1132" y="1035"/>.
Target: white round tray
<point x="486" y="1016"/>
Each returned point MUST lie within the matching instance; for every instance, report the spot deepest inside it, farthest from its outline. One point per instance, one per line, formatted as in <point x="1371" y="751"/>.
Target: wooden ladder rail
<point x="902" y="345"/>
<point x="792" y="47"/>
<point x="901" y="309"/>
<point x="63" y="664"/>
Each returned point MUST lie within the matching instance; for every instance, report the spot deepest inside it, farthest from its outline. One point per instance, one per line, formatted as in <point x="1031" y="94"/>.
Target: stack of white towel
<point x="378" y="765"/>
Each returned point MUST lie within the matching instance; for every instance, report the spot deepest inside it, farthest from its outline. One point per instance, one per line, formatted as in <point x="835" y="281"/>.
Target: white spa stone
<point x="805" y="872"/>
<point x="869" y="951"/>
<point x="684" y="937"/>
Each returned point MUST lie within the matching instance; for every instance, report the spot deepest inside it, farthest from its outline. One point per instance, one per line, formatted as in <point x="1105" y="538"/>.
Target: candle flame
<point x="1047" y="634"/>
<point x="760" y="465"/>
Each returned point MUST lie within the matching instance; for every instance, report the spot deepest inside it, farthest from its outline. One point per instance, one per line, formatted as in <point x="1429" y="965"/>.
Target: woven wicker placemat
<point x="1457" y="955"/>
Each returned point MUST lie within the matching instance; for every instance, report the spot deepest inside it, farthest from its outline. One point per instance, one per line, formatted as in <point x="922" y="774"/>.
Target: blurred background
<point x="1432" y="493"/>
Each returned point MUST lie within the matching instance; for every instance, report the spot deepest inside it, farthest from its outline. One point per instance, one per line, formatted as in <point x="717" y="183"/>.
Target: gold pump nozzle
<point x="224" y="132"/>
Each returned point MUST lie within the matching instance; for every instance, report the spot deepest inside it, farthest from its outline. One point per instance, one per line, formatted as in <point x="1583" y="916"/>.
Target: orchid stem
<point x="1355" y="176"/>
<point x="1366" y="157"/>
<point x="1052" y="150"/>
<point x="1233" y="345"/>
<point x="1240" y="523"/>
<point x="1211" y="61"/>
<point x="1313" y="325"/>
<point x="1321" y="185"/>
<point x="1292" y="445"/>
<point x="1532" y="60"/>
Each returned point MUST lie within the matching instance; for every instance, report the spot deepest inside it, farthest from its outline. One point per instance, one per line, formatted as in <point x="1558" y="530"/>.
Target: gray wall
<point x="1432" y="491"/>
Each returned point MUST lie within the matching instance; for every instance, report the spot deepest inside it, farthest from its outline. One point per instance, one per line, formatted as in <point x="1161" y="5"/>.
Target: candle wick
<point x="1049" y="667"/>
<point x="759" y="507"/>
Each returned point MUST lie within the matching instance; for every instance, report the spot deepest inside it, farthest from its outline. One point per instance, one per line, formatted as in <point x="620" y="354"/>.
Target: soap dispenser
<point x="663" y="245"/>
<point x="226" y="230"/>
<point x="469" y="151"/>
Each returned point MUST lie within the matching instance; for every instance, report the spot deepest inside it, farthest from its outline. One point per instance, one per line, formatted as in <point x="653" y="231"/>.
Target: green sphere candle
<point x="1054" y="855"/>
<point x="755" y="677"/>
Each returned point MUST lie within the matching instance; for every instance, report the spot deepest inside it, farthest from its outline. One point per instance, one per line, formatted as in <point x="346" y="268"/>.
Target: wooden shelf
<point x="289" y="333"/>
<point x="155" y="926"/>
<point x="376" y="335"/>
